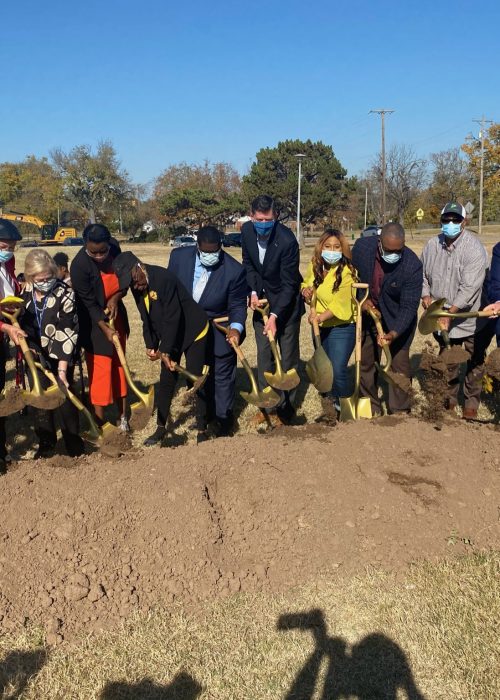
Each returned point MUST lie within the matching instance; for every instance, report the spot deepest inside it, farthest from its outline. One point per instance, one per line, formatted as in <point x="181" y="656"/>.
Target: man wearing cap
<point x="455" y="264"/>
<point x="219" y="286"/>
<point x="172" y="324"/>
<point x="9" y="236"/>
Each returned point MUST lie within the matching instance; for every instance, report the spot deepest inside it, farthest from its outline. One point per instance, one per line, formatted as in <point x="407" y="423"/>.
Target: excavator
<point x="50" y="234"/>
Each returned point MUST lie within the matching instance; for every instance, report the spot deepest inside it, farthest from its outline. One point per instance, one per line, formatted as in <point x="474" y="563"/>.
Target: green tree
<point x="324" y="188"/>
<point x="199" y="194"/>
<point x="94" y="181"/>
<point x="491" y="192"/>
<point x="31" y="187"/>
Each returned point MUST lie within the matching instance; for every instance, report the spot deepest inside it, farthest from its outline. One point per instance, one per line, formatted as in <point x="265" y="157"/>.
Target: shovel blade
<point x="267" y="398"/>
<point x="140" y="414"/>
<point x="286" y="381"/>
<point x="47" y="400"/>
<point x="320" y="371"/>
<point x="11" y="401"/>
<point x="354" y="407"/>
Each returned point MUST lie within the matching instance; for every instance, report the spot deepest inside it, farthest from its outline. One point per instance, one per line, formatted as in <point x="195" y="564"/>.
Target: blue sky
<point x="171" y="81"/>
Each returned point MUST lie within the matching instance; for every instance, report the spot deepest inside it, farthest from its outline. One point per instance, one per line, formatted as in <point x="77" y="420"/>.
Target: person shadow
<point x="375" y="667"/>
<point x="183" y="687"/>
<point x="17" y="669"/>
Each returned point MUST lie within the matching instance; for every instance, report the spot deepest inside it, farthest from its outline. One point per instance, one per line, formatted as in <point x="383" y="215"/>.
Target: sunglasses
<point x="451" y="219"/>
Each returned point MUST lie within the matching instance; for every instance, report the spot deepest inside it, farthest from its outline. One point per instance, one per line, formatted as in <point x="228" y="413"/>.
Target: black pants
<point x="195" y="359"/>
<point x="3" y="360"/>
<point x="66" y="415"/>
<point x="287" y="339"/>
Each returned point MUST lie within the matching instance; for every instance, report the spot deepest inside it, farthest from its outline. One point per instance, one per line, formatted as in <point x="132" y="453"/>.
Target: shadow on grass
<point x="375" y="667"/>
<point x="17" y="669"/>
<point x="183" y="687"/>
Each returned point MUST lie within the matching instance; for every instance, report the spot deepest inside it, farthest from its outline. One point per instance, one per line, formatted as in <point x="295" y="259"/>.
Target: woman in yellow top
<point x="331" y="275"/>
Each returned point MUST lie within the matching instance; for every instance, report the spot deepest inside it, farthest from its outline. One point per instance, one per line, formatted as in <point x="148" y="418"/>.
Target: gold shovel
<point x="196" y="381"/>
<point x="99" y="436"/>
<point x="398" y="380"/>
<point x="142" y="410"/>
<point x="286" y="381"/>
<point x="265" y="398"/>
<point x="46" y="399"/>
<point x="355" y="407"/>
<point x="429" y="321"/>
<point x="319" y="368"/>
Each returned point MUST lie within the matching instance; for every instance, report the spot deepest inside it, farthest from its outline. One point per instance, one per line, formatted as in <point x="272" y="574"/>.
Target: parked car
<point x="372" y="230"/>
<point x="74" y="241"/>
<point x="232" y="240"/>
<point x="183" y="241"/>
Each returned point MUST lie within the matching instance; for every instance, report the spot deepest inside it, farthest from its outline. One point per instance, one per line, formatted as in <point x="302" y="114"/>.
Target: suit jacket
<point x="277" y="278"/>
<point x="401" y="290"/>
<point x="224" y="295"/>
<point x="174" y="319"/>
<point x="91" y="302"/>
<point x="494" y="284"/>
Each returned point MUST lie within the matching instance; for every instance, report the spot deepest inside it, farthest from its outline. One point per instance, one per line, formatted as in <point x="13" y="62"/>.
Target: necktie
<point x="200" y="285"/>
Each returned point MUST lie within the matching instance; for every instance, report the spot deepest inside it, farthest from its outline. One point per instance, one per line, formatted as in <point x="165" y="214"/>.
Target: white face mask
<point x="46" y="286"/>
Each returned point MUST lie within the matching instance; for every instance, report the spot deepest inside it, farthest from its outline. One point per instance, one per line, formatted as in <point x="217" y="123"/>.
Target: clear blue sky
<point x="170" y="81"/>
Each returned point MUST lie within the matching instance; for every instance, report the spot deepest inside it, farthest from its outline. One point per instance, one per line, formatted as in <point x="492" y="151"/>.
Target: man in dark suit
<point x="172" y="325"/>
<point x="218" y="284"/>
<point x="271" y="260"/>
<point x="395" y="276"/>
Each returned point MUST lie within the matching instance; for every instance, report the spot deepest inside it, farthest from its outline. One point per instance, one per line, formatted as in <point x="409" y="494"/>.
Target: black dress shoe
<point x="156" y="437"/>
<point x="44" y="452"/>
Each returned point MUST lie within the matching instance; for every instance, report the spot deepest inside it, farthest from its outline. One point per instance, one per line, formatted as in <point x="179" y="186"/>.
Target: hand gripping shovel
<point x="398" y="380"/>
<point x="142" y="410"/>
<point x="37" y="397"/>
<point x="265" y="398"/>
<point x="319" y="368"/>
<point x="100" y="436"/>
<point x="355" y="407"/>
<point x="280" y="379"/>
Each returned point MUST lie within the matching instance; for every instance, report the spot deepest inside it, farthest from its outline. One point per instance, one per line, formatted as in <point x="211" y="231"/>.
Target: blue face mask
<point x="209" y="259"/>
<point x="451" y="230"/>
<point x="391" y="258"/>
<point x="5" y="255"/>
<point x="332" y="257"/>
<point x="263" y="228"/>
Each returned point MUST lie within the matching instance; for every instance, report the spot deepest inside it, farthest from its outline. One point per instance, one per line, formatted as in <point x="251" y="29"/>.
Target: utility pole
<point x="481" y="121"/>
<point x="382" y="113"/>
<point x="300" y="239"/>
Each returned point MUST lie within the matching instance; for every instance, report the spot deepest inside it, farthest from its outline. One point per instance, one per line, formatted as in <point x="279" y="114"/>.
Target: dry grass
<point x="437" y="628"/>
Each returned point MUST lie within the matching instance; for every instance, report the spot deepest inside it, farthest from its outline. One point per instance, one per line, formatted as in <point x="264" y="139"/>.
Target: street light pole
<point x="481" y="121"/>
<point x="300" y="239"/>
<point x="382" y="113"/>
<point x="121" y="222"/>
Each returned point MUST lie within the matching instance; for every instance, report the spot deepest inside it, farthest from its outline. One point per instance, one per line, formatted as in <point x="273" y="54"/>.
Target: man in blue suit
<point x="394" y="275"/>
<point x="494" y="291"/>
<point x="218" y="284"/>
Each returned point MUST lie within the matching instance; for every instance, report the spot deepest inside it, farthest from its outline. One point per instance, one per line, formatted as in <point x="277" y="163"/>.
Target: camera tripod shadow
<point x="375" y="667"/>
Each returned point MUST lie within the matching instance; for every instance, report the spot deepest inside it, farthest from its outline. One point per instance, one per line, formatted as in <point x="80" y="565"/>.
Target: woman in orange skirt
<point x="99" y="299"/>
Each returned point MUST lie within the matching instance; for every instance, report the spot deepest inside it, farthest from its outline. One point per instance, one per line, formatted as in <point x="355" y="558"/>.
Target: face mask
<point x="5" y="255"/>
<point x="451" y="230"/>
<point x="391" y="258"/>
<point x="209" y="259"/>
<point x="45" y="286"/>
<point x="332" y="257"/>
<point x="263" y="228"/>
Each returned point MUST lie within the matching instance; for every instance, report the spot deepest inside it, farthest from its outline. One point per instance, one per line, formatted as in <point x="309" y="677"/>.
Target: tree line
<point x="88" y="185"/>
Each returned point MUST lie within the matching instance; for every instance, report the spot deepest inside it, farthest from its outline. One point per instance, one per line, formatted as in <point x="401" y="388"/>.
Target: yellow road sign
<point x="420" y="214"/>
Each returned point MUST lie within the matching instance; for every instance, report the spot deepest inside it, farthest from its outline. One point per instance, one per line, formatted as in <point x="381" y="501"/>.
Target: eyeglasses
<point x="8" y="246"/>
<point x="451" y="219"/>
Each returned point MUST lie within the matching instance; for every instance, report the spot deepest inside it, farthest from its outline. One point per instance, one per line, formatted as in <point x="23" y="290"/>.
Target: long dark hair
<point x="319" y="264"/>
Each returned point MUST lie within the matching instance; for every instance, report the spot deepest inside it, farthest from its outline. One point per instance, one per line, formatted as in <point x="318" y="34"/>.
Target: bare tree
<point x="406" y="176"/>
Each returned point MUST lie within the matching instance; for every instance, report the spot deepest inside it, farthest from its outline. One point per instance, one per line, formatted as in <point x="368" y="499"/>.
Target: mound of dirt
<point x="87" y="542"/>
<point x="492" y="364"/>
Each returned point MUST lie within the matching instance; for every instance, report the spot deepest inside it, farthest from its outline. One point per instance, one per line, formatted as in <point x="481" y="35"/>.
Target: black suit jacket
<point x="174" y="319"/>
<point x="91" y="302"/>
<point x="278" y="278"/>
<point x="225" y="294"/>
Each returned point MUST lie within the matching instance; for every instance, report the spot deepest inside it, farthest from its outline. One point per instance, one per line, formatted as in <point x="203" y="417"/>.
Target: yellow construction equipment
<point x="50" y="234"/>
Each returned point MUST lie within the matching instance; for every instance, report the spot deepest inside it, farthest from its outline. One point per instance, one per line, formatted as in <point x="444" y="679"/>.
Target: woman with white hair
<point x="51" y="324"/>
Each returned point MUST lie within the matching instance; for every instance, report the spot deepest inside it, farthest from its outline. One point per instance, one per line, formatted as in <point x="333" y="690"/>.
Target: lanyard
<point x="39" y="313"/>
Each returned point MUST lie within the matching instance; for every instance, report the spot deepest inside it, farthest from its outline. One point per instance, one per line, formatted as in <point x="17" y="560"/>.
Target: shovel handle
<point x="25" y="349"/>
<point x="218" y="324"/>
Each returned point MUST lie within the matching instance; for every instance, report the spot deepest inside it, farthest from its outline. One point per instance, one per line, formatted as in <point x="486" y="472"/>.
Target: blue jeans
<point x="338" y="343"/>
